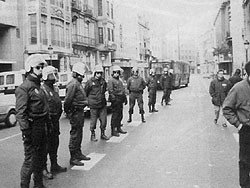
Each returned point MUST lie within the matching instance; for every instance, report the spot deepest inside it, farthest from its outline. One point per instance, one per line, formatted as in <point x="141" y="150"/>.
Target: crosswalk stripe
<point x="134" y="123"/>
<point x="236" y="137"/>
<point x="115" y="139"/>
<point x="95" y="158"/>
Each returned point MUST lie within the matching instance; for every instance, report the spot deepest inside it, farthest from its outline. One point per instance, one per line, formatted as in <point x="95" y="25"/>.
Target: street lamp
<point x="50" y="48"/>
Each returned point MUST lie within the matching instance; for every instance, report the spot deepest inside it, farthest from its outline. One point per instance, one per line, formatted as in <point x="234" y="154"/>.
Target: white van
<point x="9" y="81"/>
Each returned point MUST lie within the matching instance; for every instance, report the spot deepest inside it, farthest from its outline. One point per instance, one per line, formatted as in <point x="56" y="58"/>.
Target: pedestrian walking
<point x="95" y="89"/>
<point x="218" y="90"/>
<point x="117" y="98"/>
<point x="74" y="104"/>
<point x="236" y="77"/>
<point x="236" y="110"/>
<point x="152" y="88"/>
<point x="135" y="86"/>
<point x="50" y="77"/>
<point x="33" y="117"/>
<point x="166" y="85"/>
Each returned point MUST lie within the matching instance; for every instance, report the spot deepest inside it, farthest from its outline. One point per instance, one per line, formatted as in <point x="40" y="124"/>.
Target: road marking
<point x="134" y="123"/>
<point x="115" y="139"/>
<point x="12" y="136"/>
<point x="236" y="137"/>
<point x="95" y="158"/>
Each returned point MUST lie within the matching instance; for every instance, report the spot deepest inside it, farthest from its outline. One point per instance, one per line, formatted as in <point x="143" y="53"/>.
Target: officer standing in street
<point x="74" y="104"/>
<point x="117" y="97"/>
<point x="236" y="77"/>
<point x="95" y="90"/>
<point x="218" y="90"/>
<point x="152" y="88"/>
<point x="236" y="110"/>
<point x="32" y="116"/>
<point x="166" y="85"/>
<point x="50" y="77"/>
<point x="135" y="86"/>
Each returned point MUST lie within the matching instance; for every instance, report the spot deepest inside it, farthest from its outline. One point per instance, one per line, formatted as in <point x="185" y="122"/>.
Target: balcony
<point x="76" y="6"/>
<point x="87" y="10"/>
<point x="82" y="8"/>
<point x="83" y="41"/>
<point x="107" y="47"/>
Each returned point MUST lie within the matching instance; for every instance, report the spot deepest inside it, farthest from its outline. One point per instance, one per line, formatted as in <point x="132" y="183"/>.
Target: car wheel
<point x="10" y="120"/>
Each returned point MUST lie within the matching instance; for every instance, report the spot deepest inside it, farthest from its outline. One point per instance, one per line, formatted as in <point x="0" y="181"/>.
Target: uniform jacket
<point x="166" y="81"/>
<point x="95" y="90"/>
<point x="31" y="102"/>
<point x="218" y="90"/>
<point x="116" y="90"/>
<point x="152" y="83"/>
<point x="75" y="96"/>
<point x="236" y="107"/>
<point x="136" y="84"/>
<point x="54" y="101"/>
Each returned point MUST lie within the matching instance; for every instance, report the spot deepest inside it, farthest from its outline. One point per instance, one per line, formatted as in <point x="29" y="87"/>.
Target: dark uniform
<point x="95" y="91"/>
<point x="152" y="88"/>
<point x="117" y="97"/>
<point x="166" y="85"/>
<point x="32" y="116"/>
<point x="135" y="86"/>
<point x="74" y="104"/>
<point x="55" y="111"/>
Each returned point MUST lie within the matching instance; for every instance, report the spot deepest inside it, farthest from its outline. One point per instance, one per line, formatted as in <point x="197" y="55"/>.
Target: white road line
<point x="12" y="136"/>
<point x="95" y="158"/>
<point x="236" y="137"/>
<point x="134" y="123"/>
<point x="115" y="139"/>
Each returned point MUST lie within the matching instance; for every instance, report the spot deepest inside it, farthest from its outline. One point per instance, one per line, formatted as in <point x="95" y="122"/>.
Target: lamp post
<point x="50" y="48"/>
<point x="246" y="45"/>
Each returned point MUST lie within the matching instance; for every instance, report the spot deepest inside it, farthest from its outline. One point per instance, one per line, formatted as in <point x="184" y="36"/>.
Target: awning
<point x="2" y="61"/>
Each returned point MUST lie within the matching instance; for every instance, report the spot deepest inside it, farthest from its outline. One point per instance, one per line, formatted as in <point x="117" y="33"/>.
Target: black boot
<point x="47" y="174"/>
<point x="130" y="118"/>
<point x="142" y="118"/>
<point x="80" y="156"/>
<point x="56" y="168"/>
<point x="92" y="137"/>
<point x="150" y="109"/>
<point x="38" y="180"/>
<point x="119" y="130"/>
<point x="153" y="108"/>
<point x="74" y="161"/>
<point x="103" y="136"/>
<point x="114" y="132"/>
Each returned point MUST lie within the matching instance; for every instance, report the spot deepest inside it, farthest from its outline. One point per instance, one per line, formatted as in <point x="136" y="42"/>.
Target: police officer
<point x="95" y="89"/>
<point x="50" y="77"/>
<point x="117" y="97"/>
<point x="152" y="88"/>
<point x="74" y="104"/>
<point x="166" y="85"/>
<point x="32" y="116"/>
<point x="135" y="86"/>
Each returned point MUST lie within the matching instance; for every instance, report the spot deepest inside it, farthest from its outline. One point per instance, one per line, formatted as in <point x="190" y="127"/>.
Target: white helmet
<point x="79" y="68"/>
<point x="165" y="69"/>
<point x="50" y="70"/>
<point x="98" y="68"/>
<point x="33" y="61"/>
<point x="135" y="69"/>
<point x="116" y="68"/>
<point x="171" y="71"/>
<point x="151" y="71"/>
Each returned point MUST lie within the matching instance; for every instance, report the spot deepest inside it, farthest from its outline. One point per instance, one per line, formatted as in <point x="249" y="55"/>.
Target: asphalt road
<point x="178" y="147"/>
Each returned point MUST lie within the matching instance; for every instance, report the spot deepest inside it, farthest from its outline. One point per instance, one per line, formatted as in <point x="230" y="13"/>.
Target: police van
<point x="9" y="81"/>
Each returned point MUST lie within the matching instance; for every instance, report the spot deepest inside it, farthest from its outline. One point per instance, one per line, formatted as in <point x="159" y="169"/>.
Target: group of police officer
<point x="38" y="110"/>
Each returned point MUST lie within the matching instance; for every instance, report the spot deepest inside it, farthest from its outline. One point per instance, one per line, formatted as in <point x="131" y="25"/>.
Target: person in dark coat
<point x="152" y="89"/>
<point x="74" y="104"/>
<point x="166" y="85"/>
<point x="95" y="90"/>
<point x="236" y="110"/>
<point x="218" y="90"/>
<point x="33" y="116"/>
<point x="236" y="77"/>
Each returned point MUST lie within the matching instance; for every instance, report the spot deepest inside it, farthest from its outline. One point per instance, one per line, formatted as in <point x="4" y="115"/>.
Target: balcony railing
<point x="83" y="40"/>
<point x="84" y="8"/>
<point x="88" y="10"/>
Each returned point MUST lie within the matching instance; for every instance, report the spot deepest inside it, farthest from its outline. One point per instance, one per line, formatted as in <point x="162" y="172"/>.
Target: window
<point x="1" y="80"/>
<point x="67" y="35"/>
<point x="17" y="32"/>
<point x="109" y="34"/>
<point x="112" y="35"/>
<point x="112" y="11"/>
<point x="33" y="29"/>
<point x="57" y="32"/>
<point x="44" y="39"/>
<point x="108" y="8"/>
<point x="100" y="32"/>
<point x="10" y="79"/>
<point x="99" y="7"/>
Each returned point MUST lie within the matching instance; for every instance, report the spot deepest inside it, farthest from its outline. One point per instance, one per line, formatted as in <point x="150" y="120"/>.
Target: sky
<point x="192" y="17"/>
